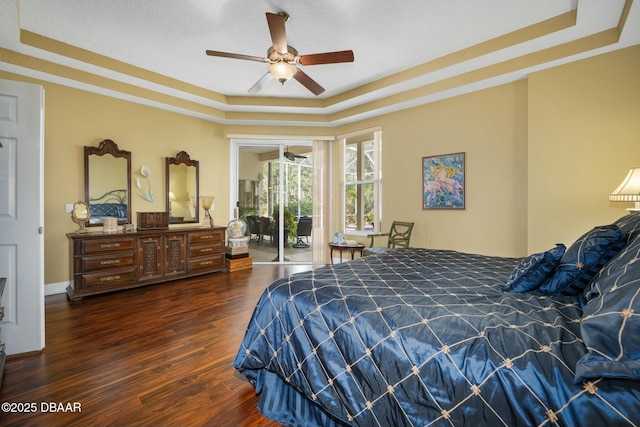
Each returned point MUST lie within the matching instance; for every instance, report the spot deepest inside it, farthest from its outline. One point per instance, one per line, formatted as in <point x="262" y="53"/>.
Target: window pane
<point x="359" y="207"/>
<point x="369" y="205"/>
<point x="299" y="178"/>
<point x="350" y="200"/>
<point x="368" y="162"/>
<point x="361" y="182"/>
<point x="351" y="163"/>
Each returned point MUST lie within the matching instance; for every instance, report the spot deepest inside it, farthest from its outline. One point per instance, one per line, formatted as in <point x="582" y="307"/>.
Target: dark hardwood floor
<point x="161" y="355"/>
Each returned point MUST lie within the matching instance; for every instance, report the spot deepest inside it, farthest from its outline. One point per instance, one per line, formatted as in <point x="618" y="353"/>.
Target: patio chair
<point x="304" y="230"/>
<point x="265" y="227"/>
<point x="254" y="228"/>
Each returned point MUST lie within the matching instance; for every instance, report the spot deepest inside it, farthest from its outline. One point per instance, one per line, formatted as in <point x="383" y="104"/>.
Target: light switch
<point x="68" y="207"/>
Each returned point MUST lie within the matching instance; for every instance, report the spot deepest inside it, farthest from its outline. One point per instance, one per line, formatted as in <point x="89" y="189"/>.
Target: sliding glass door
<point x="274" y="189"/>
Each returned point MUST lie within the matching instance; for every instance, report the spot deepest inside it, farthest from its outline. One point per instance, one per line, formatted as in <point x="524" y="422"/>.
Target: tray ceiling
<point x="406" y="53"/>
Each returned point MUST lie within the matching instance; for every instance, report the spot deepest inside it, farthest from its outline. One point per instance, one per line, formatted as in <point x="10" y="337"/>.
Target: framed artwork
<point x="443" y="184"/>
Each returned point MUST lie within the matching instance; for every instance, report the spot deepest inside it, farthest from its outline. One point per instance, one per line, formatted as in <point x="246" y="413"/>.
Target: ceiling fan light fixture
<point x="282" y="58"/>
<point x="282" y="71"/>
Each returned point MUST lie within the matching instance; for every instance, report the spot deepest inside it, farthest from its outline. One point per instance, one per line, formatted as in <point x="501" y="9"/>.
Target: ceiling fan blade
<point x="257" y="87"/>
<point x="308" y="82"/>
<point x="326" y="58"/>
<point x="236" y="56"/>
<point x="278" y="35"/>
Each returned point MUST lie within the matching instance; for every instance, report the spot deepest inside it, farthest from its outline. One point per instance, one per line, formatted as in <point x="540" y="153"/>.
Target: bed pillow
<point x="583" y="260"/>
<point x="533" y="270"/>
<point x="629" y="225"/>
<point x="611" y="319"/>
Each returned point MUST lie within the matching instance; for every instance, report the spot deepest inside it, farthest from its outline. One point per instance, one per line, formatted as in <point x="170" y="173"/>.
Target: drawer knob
<point x="109" y="278"/>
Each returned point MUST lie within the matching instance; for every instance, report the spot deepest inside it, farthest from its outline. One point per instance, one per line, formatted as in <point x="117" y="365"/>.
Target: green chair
<point x="397" y="237"/>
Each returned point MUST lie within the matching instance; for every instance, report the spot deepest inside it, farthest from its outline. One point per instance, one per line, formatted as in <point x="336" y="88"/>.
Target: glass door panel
<point x="271" y="176"/>
<point x="297" y="192"/>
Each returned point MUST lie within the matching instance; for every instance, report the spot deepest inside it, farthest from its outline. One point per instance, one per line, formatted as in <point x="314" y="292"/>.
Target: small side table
<point x="341" y="248"/>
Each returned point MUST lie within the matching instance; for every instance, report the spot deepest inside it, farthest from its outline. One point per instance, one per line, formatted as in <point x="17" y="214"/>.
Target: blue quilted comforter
<point x="419" y="337"/>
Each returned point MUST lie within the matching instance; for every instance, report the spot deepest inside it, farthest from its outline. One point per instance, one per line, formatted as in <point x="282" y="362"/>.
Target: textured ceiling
<point x="158" y="48"/>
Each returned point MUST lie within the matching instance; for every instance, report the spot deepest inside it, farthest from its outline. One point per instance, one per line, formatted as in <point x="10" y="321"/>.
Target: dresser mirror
<point x="182" y="188"/>
<point x="107" y="182"/>
<point x="80" y="214"/>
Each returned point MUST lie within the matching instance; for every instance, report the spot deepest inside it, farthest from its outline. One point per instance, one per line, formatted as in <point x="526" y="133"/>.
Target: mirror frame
<point x="82" y="221"/>
<point x="107" y="146"/>
<point x="182" y="158"/>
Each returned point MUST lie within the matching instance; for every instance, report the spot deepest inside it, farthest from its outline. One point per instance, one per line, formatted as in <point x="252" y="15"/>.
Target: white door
<point x="22" y="215"/>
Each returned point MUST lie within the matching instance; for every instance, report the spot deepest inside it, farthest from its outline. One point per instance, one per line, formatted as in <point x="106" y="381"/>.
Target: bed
<point x="424" y="337"/>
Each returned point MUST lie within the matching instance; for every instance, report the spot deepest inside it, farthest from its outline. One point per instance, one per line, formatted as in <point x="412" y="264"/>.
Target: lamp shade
<point x="282" y="71"/>
<point x="629" y="190"/>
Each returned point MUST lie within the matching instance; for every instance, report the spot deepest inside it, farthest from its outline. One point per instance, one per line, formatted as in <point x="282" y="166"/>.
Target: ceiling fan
<point x="292" y="156"/>
<point x="283" y="58"/>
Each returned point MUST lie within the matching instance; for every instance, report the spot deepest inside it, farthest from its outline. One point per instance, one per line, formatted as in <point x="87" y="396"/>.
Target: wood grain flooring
<point x="161" y="355"/>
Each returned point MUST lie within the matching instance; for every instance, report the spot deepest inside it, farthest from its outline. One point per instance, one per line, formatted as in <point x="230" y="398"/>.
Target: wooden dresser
<point x="105" y="262"/>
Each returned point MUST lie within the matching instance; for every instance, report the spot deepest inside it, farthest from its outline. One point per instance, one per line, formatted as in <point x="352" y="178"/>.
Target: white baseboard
<point x="55" y="288"/>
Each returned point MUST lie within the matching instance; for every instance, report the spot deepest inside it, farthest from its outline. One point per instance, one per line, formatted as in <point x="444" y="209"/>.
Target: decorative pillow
<point x="611" y="319"/>
<point x="533" y="270"/>
<point x="583" y="260"/>
<point x="629" y="225"/>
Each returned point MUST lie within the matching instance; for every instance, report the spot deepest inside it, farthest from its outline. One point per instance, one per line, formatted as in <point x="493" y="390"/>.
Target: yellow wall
<point x="490" y="127"/>
<point x="249" y="165"/>
<point x="584" y="136"/>
<point x="75" y="118"/>
<point x="542" y="156"/>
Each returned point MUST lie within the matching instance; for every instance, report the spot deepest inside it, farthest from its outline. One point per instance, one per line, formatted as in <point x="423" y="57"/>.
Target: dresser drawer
<point x="110" y="280"/>
<point x="89" y="264"/>
<point x="207" y="236"/>
<point x="207" y="264"/>
<point x="100" y="246"/>
<point x="206" y="250"/>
